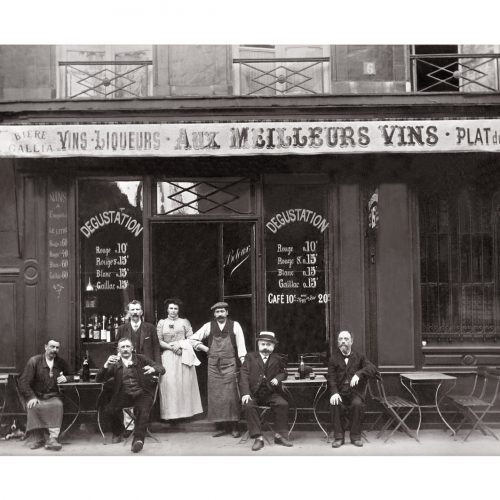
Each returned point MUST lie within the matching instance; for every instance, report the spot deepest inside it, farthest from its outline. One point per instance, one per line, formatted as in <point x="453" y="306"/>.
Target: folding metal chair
<point x="130" y="413"/>
<point x="396" y="408"/>
<point x="475" y="408"/>
<point x="476" y="393"/>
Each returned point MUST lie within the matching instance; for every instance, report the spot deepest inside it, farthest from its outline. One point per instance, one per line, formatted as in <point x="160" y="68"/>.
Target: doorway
<point x="201" y="263"/>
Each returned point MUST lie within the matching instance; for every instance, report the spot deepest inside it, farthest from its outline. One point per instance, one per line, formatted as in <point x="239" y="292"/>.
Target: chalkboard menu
<point x="111" y="238"/>
<point x="297" y="298"/>
<point x="58" y="253"/>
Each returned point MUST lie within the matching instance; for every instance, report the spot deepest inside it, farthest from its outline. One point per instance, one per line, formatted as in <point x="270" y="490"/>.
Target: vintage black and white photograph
<point x="228" y="249"/>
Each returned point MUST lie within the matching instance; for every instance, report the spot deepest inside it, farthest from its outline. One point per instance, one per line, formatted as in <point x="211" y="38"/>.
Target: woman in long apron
<point x="179" y="391"/>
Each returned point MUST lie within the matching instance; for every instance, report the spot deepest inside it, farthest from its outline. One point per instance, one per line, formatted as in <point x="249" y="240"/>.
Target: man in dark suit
<point x="260" y="384"/>
<point x="348" y="372"/>
<point x="142" y="334"/>
<point x="133" y="386"/>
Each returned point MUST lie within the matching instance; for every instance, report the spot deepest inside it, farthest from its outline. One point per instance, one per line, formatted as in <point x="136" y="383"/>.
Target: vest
<point x="227" y="330"/>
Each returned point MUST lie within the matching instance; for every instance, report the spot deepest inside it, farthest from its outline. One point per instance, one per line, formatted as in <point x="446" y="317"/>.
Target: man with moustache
<point x="142" y="334"/>
<point x="133" y="386"/>
<point x="260" y="384"/>
<point x="39" y="386"/>
<point x="348" y="372"/>
<point x="144" y="341"/>
<point x="226" y="351"/>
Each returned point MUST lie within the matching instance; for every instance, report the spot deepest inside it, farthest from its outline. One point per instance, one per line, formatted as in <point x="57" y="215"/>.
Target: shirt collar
<point x="128" y="362"/>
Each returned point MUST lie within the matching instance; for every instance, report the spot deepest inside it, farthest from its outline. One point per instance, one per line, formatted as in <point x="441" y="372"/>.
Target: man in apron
<point x="38" y="384"/>
<point x="226" y="352"/>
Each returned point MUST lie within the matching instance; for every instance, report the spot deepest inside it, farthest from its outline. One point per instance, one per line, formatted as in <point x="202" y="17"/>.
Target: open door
<point x="202" y="263"/>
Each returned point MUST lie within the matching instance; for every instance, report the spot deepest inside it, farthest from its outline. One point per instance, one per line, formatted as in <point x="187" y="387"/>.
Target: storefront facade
<point x="308" y="215"/>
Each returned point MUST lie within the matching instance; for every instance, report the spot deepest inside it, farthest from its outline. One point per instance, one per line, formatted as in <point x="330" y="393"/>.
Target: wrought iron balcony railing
<point x="281" y="76"/>
<point x="455" y="72"/>
<point x="105" y="79"/>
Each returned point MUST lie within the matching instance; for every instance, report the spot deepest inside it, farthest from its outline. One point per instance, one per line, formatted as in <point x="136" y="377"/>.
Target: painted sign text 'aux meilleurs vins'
<point x="247" y="138"/>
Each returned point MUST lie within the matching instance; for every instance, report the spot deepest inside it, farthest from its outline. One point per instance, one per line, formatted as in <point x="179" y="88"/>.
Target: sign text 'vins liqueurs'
<point x="244" y="138"/>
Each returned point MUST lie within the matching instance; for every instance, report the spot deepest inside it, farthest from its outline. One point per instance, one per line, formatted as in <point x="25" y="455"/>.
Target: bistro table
<point x="413" y="380"/>
<point x="72" y="396"/>
<point x="318" y="383"/>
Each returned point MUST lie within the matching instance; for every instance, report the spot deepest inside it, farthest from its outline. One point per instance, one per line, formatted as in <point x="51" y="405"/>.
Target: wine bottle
<point x="83" y="332"/>
<point x="97" y="329"/>
<point x="302" y="368"/>
<point x="86" y="368"/>
<point x="90" y="331"/>
<point x="103" y="329"/>
<point x="115" y="328"/>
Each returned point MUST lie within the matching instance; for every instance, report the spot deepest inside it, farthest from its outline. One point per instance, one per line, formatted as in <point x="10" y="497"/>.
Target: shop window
<point x="459" y="271"/>
<point x="104" y="71"/>
<point x="296" y="229"/>
<point x="281" y="69"/>
<point x="204" y="197"/>
<point x="111" y="257"/>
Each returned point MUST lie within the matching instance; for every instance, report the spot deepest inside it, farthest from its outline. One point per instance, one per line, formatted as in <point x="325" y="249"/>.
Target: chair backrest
<point x="380" y="393"/>
<point x="491" y="386"/>
<point x="479" y="385"/>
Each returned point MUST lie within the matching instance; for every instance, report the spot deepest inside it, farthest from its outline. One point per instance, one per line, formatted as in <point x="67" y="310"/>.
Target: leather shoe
<point x="337" y="443"/>
<point x="137" y="446"/>
<point x="116" y="439"/>
<point x="282" y="441"/>
<point x="38" y="444"/>
<point x="53" y="444"/>
<point x="127" y="434"/>
<point x="357" y="442"/>
<point x="258" y="444"/>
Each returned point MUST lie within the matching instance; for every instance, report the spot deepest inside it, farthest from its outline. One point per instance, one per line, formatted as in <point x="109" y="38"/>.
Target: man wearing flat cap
<point x="260" y="384"/>
<point x="226" y="351"/>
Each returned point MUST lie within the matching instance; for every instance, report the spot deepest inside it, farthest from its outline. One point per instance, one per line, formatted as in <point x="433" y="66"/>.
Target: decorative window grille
<point x="204" y="197"/>
<point x="459" y="270"/>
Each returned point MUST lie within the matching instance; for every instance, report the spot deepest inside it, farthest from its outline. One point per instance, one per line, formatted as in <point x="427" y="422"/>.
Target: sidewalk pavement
<point x="177" y="443"/>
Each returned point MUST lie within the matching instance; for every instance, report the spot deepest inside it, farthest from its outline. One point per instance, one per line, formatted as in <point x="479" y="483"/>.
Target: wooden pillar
<point x="350" y="268"/>
<point x="395" y="279"/>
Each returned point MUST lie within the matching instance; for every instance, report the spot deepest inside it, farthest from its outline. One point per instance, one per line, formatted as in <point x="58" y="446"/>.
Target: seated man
<point x="348" y="371"/>
<point x="38" y="384"/>
<point x="260" y="384"/>
<point x="133" y="385"/>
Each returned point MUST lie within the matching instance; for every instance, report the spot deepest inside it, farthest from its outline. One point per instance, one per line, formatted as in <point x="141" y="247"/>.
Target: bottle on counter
<point x="103" y="329"/>
<point x="302" y="368"/>
<point x="97" y="329"/>
<point x="86" y="368"/>
<point x="83" y="332"/>
<point x="108" y="329"/>
<point x="116" y="324"/>
<point x="90" y="331"/>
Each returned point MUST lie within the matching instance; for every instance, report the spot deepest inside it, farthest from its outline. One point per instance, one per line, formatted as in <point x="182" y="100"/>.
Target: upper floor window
<point x="455" y="68"/>
<point x="104" y="71"/>
<point x="271" y="70"/>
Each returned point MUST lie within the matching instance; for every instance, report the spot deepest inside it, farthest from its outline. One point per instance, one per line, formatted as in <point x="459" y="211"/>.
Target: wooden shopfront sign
<point x="250" y="138"/>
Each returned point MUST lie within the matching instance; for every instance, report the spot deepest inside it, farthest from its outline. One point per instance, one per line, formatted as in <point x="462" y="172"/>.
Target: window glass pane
<point x="296" y="293"/>
<point x="111" y="236"/>
<point x="204" y="197"/>
<point x="237" y="258"/>
<point x="460" y="300"/>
